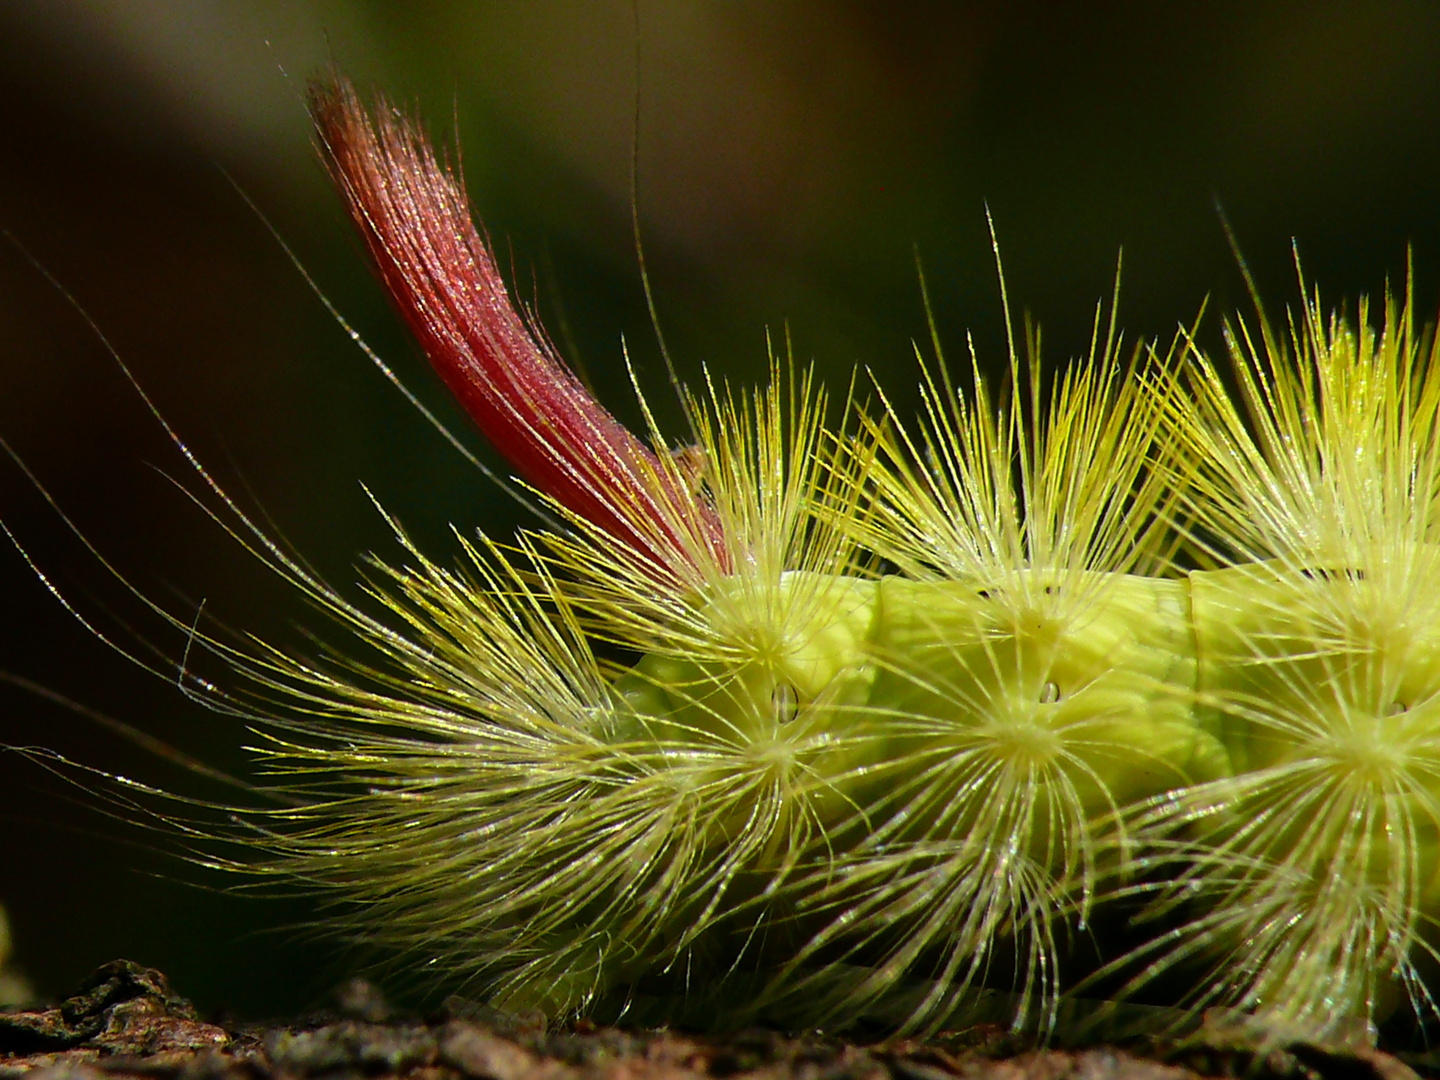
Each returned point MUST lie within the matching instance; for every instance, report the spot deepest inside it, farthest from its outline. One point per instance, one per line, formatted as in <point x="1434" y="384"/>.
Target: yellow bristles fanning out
<point x="455" y="795"/>
<point x="1318" y="634"/>
<point x="1029" y="683"/>
<point x="760" y="466"/>
<point x="990" y="491"/>
<point x="568" y="832"/>
<point x="1333" y="456"/>
<point x="752" y="676"/>
<point x="481" y="794"/>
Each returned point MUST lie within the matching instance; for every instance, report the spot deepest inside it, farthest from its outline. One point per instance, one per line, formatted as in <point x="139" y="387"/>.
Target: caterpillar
<point x="824" y="723"/>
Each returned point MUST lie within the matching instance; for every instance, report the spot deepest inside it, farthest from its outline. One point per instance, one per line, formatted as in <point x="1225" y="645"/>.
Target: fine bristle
<point x="762" y="468"/>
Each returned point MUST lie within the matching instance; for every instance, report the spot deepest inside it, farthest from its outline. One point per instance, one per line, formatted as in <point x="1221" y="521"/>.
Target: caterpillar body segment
<point x="1318" y="640"/>
<point x="1300" y="891"/>
<point x="1014" y="739"/>
<point x="1118" y="676"/>
<point x="1034" y="687"/>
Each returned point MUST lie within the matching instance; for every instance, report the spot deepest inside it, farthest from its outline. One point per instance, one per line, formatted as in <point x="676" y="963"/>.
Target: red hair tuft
<point x="441" y="275"/>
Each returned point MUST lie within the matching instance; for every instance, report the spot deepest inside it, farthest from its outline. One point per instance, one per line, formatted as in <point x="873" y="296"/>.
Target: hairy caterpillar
<point x="822" y="791"/>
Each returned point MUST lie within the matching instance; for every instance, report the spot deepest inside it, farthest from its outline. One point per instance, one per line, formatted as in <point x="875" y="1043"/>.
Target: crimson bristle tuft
<point x="440" y="273"/>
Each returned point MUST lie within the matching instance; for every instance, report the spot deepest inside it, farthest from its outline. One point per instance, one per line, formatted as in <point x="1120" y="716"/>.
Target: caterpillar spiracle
<point x="829" y="724"/>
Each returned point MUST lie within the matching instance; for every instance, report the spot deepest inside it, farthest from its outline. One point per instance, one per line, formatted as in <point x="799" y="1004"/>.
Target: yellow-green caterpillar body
<point x="824" y="724"/>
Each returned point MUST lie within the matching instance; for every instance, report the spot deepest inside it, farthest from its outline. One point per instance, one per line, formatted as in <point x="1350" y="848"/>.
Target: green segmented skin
<point x="1119" y="675"/>
<point x="1124" y="670"/>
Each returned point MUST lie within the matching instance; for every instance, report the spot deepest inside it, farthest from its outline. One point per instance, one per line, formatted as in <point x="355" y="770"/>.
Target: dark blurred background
<point x="791" y="157"/>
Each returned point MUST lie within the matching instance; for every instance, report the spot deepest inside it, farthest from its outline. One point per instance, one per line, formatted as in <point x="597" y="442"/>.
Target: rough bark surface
<point x="125" y="1021"/>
